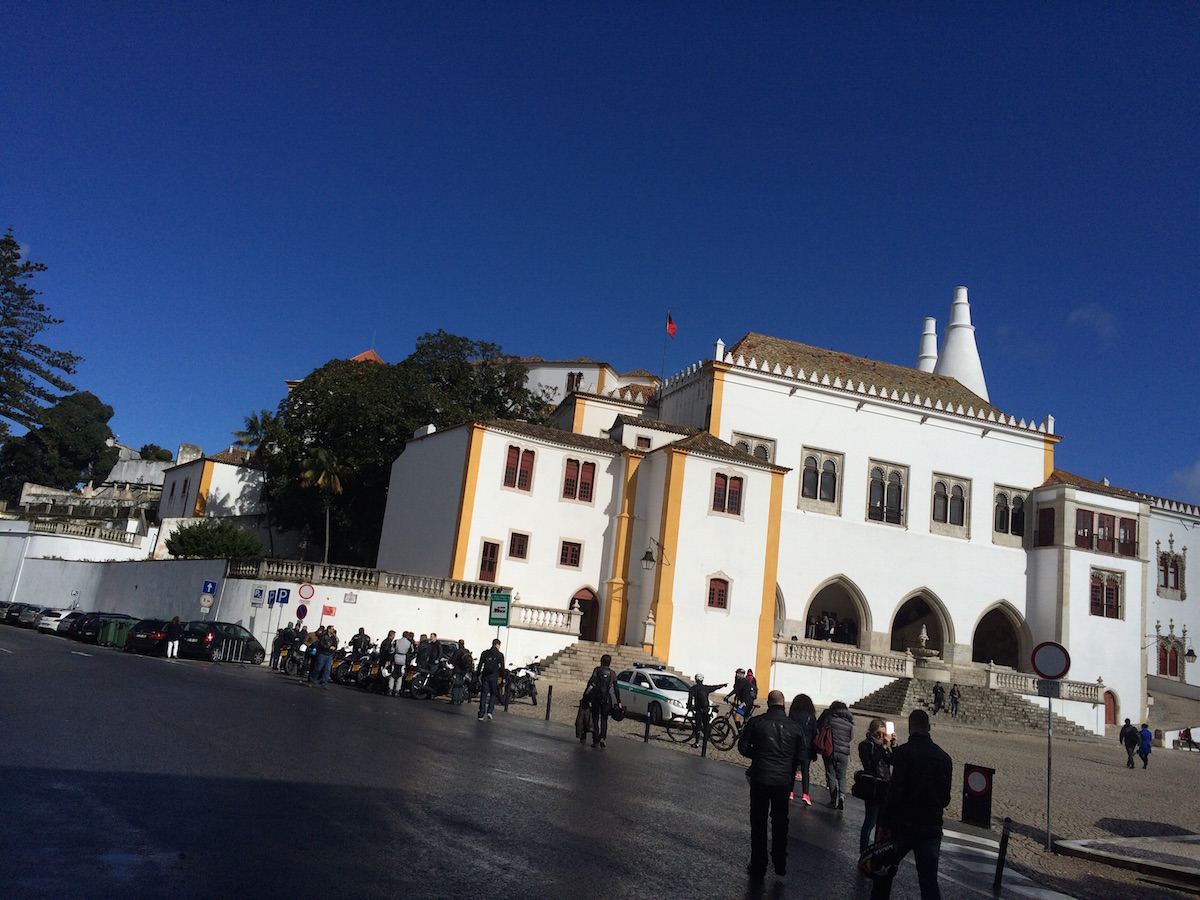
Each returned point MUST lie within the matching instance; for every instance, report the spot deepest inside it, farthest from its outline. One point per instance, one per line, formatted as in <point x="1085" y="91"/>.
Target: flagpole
<point x="662" y="375"/>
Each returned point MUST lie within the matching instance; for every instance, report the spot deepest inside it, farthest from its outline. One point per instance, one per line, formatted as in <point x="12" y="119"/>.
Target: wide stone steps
<point x="576" y="661"/>
<point x="979" y="706"/>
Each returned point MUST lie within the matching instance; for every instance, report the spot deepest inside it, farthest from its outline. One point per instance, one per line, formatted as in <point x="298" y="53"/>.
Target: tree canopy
<point x="70" y="448"/>
<point x="29" y="370"/>
<point x="213" y="539"/>
<point x="155" y="453"/>
<point x="361" y="414"/>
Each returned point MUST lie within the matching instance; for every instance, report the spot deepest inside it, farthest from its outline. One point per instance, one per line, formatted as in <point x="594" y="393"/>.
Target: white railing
<point x="541" y="618"/>
<point x="358" y="577"/>
<point x="827" y="655"/>
<point x="95" y="532"/>
<point x="1027" y="683"/>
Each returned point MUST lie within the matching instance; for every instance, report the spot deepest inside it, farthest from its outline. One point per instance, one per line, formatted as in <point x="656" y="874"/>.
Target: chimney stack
<point x="927" y="355"/>
<point x="960" y="356"/>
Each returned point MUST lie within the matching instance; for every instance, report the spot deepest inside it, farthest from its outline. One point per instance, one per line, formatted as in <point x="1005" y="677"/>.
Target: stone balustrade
<point x="95" y="532"/>
<point x="366" y="579"/>
<point x="541" y="618"/>
<point x="828" y="655"/>
<point x="1027" y="683"/>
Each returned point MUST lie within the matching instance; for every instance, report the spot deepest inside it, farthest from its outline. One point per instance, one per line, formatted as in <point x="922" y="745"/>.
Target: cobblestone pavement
<point x="1094" y="794"/>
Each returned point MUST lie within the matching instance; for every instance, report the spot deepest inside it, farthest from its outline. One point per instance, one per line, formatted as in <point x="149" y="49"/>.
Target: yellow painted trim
<point x="766" y="617"/>
<point x="663" y="605"/>
<point x="616" y="610"/>
<point x="577" y="416"/>
<point x="600" y="379"/>
<point x="205" y="486"/>
<point x="718" y="397"/>
<point x="1048" y="458"/>
<point x="466" y="501"/>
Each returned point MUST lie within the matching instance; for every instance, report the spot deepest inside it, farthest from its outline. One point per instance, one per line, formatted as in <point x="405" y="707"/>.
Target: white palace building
<point x="834" y="521"/>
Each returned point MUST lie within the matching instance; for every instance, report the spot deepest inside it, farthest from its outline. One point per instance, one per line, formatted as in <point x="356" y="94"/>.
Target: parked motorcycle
<point x="522" y="682"/>
<point x="437" y="683"/>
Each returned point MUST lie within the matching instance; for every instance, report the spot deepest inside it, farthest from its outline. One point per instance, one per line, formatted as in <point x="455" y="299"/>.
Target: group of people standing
<point x="911" y="784"/>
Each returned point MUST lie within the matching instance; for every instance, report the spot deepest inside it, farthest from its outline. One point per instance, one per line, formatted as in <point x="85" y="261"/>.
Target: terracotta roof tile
<point x="656" y="425"/>
<point x="858" y="368"/>
<point x="555" y="435"/>
<point x="1062" y="476"/>
<point x="705" y="443"/>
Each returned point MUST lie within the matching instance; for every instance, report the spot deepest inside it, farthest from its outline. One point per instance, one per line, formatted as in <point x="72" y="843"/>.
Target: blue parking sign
<point x="271" y="598"/>
<point x="282" y="597"/>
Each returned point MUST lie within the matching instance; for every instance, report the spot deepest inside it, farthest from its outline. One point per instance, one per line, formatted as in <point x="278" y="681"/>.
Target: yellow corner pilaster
<point x="577" y="416"/>
<point x="616" y="610"/>
<point x="718" y="397"/>
<point x="466" y="501"/>
<point x="204" y="487"/>
<point x="1048" y="457"/>
<point x="663" y="605"/>
<point x="766" y="616"/>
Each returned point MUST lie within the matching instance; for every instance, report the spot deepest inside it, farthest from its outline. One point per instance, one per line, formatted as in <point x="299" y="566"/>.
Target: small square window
<point x="643" y="443"/>
<point x="570" y="553"/>
<point x="518" y="545"/>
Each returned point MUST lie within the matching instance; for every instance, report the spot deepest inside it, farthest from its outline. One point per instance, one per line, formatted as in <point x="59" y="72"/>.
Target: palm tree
<point x="321" y="471"/>
<point x="255" y="432"/>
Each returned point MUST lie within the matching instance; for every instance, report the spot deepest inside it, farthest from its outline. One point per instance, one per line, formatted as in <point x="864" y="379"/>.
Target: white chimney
<point x="927" y="355"/>
<point x="960" y="357"/>
<point x="719" y="351"/>
<point x="424" y="430"/>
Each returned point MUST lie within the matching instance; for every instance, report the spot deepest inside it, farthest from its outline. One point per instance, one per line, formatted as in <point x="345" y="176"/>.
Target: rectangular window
<point x="1083" y="528"/>
<point x="886" y="498"/>
<point x="1045" y="529"/>
<point x="819" y="480"/>
<point x="1104" y="533"/>
<point x="733" y="503"/>
<point x="720" y="484"/>
<point x="525" y="474"/>
<point x="727" y="494"/>
<point x="718" y="593"/>
<point x="587" y="475"/>
<point x="1106" y="592"/>
<point x="643" y="443"/>
<point x="1127" y="537"/>
<point x="569" y="554"/>
<point x="511" y="465"/>
<point x="518" y="545"/>
<point x="487" y="561"/>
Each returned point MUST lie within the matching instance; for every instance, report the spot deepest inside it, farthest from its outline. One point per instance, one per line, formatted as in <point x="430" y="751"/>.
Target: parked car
<point x="220" y="640"/>
<point x="50" y="618"/>
<point x="67" y="621"/>
<point x="4" y="605"/>
<point x="13" y="613"/>
<point x="148" y="636"/>
<point x="651" y="692"/>
<point x="29" y="615"/>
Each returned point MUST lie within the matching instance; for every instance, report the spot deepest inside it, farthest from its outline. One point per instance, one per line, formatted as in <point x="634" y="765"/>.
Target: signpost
<point x="1052" y="662"/>
<point x="301" y="612"/>
<point x="498" y="607"/>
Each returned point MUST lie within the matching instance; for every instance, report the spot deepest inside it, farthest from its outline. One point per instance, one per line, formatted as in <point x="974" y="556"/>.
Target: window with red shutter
<point x="525" y="473"/>
<point x="1097" y="598"/>
<point x="587" y="475"/>
<point x="1127" y="537"/>
<point x="733" y="502"/>
<point x="1173" y="663"/>
<point x="487" y="561"/>
<point x="1104" y="533"/>
<point x="718" y="593"/>
<point x="1162" y="660"/>
<point x="1045" y="526"/>
<point x="511" y="465"/>
<point x="518" y="545"/>
<point x="571" y="479"/>
<point x="1083" y="528"/>
<point x="569" y="554"/>
<point x="719" y="487"/>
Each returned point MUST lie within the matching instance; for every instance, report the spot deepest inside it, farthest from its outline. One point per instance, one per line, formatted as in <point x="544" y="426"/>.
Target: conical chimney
<point x="960" y="356"/>
<point x="927" y="355"/>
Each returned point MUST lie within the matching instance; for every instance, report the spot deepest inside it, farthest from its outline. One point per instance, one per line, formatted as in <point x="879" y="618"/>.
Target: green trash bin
<point x="121" y="632"/>
<point x="105" y="636"/>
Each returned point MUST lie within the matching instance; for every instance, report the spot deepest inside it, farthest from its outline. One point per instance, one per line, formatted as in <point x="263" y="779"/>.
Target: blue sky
<point x="229" y="195"/>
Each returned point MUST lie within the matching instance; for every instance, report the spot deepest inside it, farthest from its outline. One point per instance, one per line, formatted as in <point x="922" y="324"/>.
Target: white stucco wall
<point x="422" y="508"/>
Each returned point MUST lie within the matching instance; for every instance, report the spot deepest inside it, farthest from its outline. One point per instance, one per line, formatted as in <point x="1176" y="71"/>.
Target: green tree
<point x="72" y="447"/>
<point x="28" y="370"/>
<point x="362" y="413"/>
<point x="255" y="433"/>
<point x="322" y="472"/>
<point x="213" y="539"/>
<point x="155" y="453"/>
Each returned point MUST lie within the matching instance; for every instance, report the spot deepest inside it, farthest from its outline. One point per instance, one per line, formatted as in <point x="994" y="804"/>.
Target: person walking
<point x="955" y="697"/>
<point x="326" y="644"/>
<point x="1144" y="739"/>
<point x="912" y="812"/>
<point x="773" y="743"/>
<point x="804" y="714"/>
<point x="172" y="633"/>
<point x="700" y="706"/>
<point x="841" y="724"/>
<point x="875" y="754"/>
<point x="1129" y="738"/>
<point x="491" y="664"/>
<point x="601" y="692"/>
<point x="939" y="698"/>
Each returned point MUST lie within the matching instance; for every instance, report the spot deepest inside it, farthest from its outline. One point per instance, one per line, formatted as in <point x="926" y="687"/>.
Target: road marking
<point x="81" y="653"/>
<point x="6" y="651"/>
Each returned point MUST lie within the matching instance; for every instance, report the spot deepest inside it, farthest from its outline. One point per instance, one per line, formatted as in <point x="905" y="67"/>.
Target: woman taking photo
<point x="875" y="753"/>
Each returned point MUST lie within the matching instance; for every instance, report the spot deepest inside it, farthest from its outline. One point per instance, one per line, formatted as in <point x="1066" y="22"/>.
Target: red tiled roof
<point x="1062" y="476"/>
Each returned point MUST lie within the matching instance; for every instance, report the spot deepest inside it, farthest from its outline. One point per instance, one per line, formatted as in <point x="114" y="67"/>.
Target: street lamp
<point x="649" y="559"/>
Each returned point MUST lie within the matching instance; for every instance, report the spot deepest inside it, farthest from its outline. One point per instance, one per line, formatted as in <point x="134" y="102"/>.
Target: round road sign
<point x="301" y="611"/>
<point x="306" y="591"/>
<point x="206" y="600"/>
<point x="977" y="782"/>
<point x="1051" y="660"/>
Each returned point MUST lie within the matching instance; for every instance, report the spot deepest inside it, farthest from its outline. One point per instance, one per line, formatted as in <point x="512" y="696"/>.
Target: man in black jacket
<point x="912" y="813"/>
<point x="773" y="743"/>
<point x="491" y="664"/>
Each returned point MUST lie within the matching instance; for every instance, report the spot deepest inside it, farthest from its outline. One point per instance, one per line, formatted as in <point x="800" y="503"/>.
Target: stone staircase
<point x="575" y="662"/>
<point x="979" y="707"/>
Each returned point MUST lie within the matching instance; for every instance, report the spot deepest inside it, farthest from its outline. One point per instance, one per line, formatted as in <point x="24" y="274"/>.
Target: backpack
<point x="823" y="742"/>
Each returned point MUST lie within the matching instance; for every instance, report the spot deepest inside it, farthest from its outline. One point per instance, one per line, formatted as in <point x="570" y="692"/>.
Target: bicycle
<point x="680" y="731"/>
<point x="724" y="731"/>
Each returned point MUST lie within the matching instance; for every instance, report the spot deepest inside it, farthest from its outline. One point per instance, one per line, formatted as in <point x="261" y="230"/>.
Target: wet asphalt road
<point x="127" y="776"/>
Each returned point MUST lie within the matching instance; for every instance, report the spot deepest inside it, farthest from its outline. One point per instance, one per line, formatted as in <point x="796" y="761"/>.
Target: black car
<point x="64" y="627"/>
<point x="220" y="641"/>
<point x="13" y="613"/>
<point x="148" y="636"/>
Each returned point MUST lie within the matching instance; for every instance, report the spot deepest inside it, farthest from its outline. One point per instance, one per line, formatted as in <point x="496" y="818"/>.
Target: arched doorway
<point x="918" y="611"/>
<point x="999" y="639"/>
<point x="589" y="622"/>
<point x="1110" y="708"/>
<point x="837" y="613"/>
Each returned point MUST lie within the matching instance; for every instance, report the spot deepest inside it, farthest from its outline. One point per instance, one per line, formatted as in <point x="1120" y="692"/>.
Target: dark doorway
<point x="996" y="640"/>
<point x="589" y="623"/>
<point x="906" y="627"/>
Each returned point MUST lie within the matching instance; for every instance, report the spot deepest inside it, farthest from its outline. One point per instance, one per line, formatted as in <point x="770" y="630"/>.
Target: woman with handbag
<point x="875" y="753"/>
<point x="804" y="714"/>
<point x="841" y="727"/>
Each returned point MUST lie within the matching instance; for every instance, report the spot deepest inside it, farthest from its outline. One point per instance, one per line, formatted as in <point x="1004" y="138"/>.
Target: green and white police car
<point x="646" y="690"/>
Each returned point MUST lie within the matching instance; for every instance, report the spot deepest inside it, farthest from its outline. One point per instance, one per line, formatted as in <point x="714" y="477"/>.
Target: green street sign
<point x="498" y="609"/>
